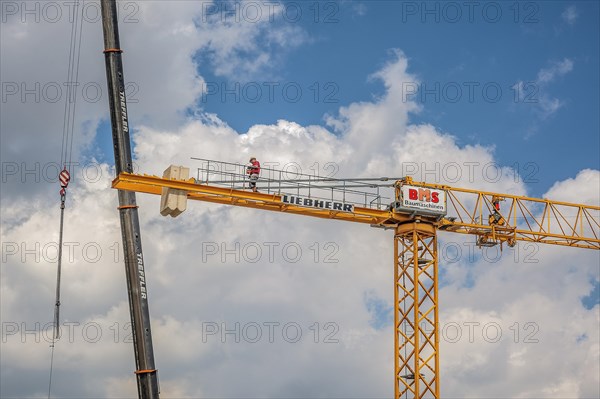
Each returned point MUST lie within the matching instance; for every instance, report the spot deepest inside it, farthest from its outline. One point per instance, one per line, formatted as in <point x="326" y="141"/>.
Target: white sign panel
<point x="317" y="203"/>
<point x="425" y="199"/>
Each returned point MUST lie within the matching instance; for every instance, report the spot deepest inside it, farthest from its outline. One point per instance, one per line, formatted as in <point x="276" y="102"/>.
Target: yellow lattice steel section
<point x="525" y="219"/>
<point x="416" y="338"/>
<point x="479" y="213"/>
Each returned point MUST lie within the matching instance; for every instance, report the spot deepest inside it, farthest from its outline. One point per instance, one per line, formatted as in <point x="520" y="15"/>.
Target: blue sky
<point x="468" y="60"/>
<point x="468" y="65"/>
<point x="357" y="64"/>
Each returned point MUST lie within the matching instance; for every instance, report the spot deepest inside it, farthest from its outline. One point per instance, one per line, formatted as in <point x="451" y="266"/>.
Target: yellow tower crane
<point x="415" y="211"/>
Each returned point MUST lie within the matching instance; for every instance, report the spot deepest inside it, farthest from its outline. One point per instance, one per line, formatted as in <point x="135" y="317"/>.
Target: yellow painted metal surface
<point x="416" y="316"/>
<point x="271" y="202"/>
<point x="527" y="219"/>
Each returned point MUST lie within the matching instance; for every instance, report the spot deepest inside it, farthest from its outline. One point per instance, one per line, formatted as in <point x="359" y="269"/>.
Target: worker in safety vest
<point x="496" y="217"/>
<point x="253" y="170"/>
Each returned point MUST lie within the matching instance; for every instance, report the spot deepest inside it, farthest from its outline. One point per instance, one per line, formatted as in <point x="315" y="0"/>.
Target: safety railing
<point x="368" y="192"/>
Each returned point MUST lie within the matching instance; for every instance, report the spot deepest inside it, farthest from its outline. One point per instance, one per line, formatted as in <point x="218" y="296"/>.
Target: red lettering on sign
<point x="424" y="194"/>
<point x="434" y="197"/>
<point x="412" y="194"/>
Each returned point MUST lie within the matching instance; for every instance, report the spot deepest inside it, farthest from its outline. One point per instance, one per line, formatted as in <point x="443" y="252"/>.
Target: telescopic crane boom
<point x="147" y="379"/>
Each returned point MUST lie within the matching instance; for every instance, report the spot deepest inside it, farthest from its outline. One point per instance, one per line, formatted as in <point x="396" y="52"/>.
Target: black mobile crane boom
<point x="147" y="378"/>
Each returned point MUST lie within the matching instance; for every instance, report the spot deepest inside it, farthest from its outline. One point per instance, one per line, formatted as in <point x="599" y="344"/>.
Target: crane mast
<point x="147" y="379"/>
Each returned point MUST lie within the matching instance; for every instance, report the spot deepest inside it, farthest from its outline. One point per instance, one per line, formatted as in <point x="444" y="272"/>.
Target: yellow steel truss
<point x="416" y="339"/>
<point x="416" y="311"/>
<point x="527" y="219"/>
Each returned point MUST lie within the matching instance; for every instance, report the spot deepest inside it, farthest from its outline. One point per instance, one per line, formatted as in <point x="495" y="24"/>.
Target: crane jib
<point x="316" y="203"/>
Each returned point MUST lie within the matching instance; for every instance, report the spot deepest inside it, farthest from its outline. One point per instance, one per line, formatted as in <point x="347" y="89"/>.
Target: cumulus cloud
<point x="583" y="188"/>
<point x="158" y="39"/>
<point x="247" y="39"/>
<point x="210" y="300"/>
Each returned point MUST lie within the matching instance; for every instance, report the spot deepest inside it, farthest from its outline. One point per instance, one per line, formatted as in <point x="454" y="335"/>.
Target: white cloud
<point x="360" y="9"/>
<point x="521" y="294"/>
<point x="158" y="39"/>
<point x="246" y="39"/>
<point x="549" y="105"/>
<point x="536" y="93"/>
<point x="584" y="188"/>
<point x="188" y="288"/>
<point x="570" y="15"/>
<point x="556" y="69"/>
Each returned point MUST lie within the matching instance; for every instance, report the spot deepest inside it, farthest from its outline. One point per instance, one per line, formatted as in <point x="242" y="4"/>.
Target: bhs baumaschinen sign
<point x="425" y="199"/>
<point x="317" y="203"/>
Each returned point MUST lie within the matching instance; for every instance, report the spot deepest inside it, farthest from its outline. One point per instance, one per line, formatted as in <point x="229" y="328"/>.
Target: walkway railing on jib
<point x="374" y="193"/>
